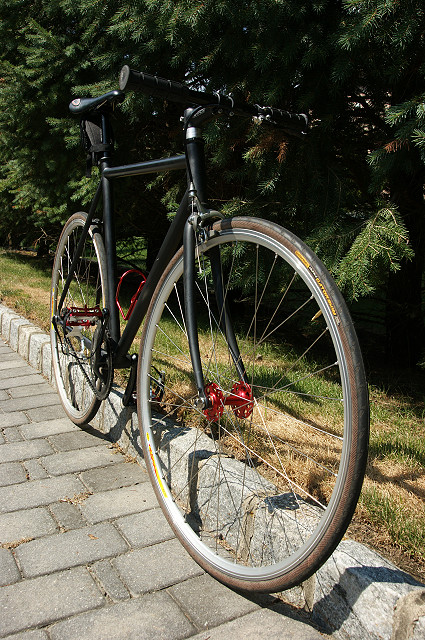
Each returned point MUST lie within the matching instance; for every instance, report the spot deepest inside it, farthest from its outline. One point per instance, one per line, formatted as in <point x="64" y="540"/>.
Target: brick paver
<point x="156" y="567"/>
<point x="47" y="428"/>
<point x="39" y="492"/>
<point x="13" y="419"/>
<point x="15" y="370"/>
<point x="27" y="523"/>
<point x="85" y="551"/>
<point x="12" y="473"/>
<point x="41" y="601"/>
<point x="153" y="617"/>
<point x="69" y="549"/>
<point x="9" y="572"/>
<point x="24" y="450"/>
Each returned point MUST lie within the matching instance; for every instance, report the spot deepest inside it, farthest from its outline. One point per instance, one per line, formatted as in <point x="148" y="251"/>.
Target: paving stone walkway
<point x="85" y="552"/>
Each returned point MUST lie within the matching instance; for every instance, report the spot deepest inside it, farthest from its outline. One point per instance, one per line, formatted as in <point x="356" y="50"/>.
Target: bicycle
<point x="251" y="395"/>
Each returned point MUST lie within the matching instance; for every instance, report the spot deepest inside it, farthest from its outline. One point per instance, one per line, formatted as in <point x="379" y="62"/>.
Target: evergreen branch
<point x="379" y="247"/>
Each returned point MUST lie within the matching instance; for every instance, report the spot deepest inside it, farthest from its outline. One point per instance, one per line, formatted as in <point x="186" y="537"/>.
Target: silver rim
<point x="251" y="497"/>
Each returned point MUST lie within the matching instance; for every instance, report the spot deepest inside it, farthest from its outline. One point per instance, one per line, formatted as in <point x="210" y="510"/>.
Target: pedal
<point x="81" y="316"/>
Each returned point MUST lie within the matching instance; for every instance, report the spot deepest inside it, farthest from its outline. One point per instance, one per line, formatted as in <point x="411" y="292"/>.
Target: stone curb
<point x="357" y="594"/>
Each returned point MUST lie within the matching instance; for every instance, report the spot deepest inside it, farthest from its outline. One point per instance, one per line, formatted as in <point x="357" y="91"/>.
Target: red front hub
<point x="239" y="399"/>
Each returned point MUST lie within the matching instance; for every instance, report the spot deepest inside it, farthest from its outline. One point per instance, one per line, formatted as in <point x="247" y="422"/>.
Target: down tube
<point x="168" y="248"/>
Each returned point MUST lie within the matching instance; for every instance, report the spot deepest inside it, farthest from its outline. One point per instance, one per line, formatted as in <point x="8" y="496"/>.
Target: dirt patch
<point x="35" y="293"/>
<point x="41" y="320"/>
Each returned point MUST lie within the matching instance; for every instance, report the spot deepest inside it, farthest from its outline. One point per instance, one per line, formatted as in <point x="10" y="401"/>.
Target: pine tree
<point x="353" y="188"/>
<point x="39" y="65"/>
<point x="385" y="42"/>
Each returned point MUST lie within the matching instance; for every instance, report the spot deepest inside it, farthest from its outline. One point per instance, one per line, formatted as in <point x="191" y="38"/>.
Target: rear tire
<point x="88" y="287"/>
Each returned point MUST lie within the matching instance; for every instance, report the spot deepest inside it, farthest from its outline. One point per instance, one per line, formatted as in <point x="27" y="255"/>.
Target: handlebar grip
<point x="159" y="87"/>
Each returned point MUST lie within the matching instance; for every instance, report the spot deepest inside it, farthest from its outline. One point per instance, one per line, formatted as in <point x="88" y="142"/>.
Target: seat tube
<point x="111" y="261"/>
<point x="224" y="317"/>
<point x="109" y="231"/>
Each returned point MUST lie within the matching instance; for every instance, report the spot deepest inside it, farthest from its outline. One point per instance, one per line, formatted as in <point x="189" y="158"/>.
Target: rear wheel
<point x="77" y="338"/>
<point x="261" y="486"/>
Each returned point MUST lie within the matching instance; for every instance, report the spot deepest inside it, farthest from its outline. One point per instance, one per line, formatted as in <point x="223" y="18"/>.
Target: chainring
<point x="101" y="363"/>
<point x="100" y="358"/>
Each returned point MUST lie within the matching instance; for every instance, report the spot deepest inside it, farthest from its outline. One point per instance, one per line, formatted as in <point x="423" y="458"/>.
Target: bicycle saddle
<point x="79" y="106"/>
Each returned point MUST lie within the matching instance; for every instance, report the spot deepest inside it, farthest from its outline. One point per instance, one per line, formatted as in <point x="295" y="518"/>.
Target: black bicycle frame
<point x="168" y="248"/>
<point x="182" y="227"/>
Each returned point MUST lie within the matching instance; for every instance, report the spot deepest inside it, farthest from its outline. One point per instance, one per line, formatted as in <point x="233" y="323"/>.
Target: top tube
<point x="172" y="163"/>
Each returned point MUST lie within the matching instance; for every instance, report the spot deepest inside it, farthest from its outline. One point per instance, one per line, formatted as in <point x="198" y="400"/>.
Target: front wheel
<point x="77" y="331"/>
<point x="260" y="486"/>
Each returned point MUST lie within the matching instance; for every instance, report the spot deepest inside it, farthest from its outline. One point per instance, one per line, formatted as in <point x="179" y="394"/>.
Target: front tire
<point x="260" y="492"/>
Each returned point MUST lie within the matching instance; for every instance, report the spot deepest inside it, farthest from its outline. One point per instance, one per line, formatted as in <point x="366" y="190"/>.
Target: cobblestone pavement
<point x="85" y="551"/>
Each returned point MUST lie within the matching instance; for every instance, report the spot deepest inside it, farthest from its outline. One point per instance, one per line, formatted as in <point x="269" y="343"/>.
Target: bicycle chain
<point x="100" y="395"/>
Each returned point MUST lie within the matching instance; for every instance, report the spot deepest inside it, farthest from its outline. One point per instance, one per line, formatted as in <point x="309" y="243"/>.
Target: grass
<point x="25" y="285"/>
<point x="391" y="514"/>
<point x="400" y="518"/>
<point x="391" y="507"/>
